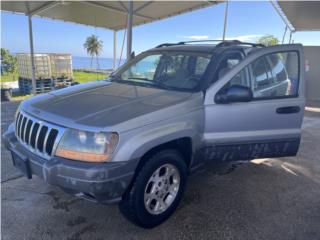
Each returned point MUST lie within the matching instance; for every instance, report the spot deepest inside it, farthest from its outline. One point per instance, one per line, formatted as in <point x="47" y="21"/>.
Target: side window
<point x="241" y="79"/>
<point x="232" y="62"/>
<point x="201" y="64"/>
<point x="260" y="74"/>
<point x="229" y="62"/>
<point x="277" y="68"/>
<point x="271" y="76"/>
<point x="281" y="78"/>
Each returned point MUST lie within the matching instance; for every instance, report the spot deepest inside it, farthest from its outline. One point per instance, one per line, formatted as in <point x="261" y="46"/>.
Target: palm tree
<point x="94" y="47"/>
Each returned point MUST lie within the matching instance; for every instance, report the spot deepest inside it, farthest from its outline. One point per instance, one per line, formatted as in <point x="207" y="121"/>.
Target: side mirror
<point x="235" y="93"/>
<point x="132" y="55"/>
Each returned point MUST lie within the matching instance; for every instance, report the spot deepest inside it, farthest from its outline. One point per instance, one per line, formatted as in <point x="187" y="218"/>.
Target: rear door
<point x="270" y="124"/>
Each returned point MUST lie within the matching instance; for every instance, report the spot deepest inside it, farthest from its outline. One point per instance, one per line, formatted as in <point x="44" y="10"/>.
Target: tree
<point x="8" y="62"/>
<point x="94" y="47"/>
<point x="268" y="40"/>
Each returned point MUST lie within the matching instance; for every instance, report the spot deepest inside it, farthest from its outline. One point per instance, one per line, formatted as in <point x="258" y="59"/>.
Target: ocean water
<point x="84" y="62"/>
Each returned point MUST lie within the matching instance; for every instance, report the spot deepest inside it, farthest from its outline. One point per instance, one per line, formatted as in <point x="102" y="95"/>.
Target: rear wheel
<point x="157" y="190"/>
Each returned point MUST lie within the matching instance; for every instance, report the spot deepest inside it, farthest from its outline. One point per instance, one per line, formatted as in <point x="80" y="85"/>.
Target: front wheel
<point x="157" y="190"/>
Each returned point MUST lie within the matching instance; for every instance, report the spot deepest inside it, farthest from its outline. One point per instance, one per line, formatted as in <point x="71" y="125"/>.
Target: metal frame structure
<point x="124" y="9"/>
<point x="133" y="17"/>
<point x="225" y="21"/>
<point x="114" y="49"/>
<point x="130" y="14"/>
<point x="44" y="7"/>
<point x="129" y="30"/>
<point x="128" y="11"/>
<point x="33" y="67"/>
<point x="285" y="20"/>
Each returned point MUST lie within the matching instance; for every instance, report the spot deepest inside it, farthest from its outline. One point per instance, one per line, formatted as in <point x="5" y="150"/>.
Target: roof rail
<point x="167" y="45"/>
<point x="200" y="41"/>
<point x="228" y="43"/>
<point x="225" y="43"/>
<point x="185" y="42"/>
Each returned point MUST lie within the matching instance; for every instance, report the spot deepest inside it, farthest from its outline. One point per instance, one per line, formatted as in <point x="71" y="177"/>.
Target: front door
<point x="270" y="124"/>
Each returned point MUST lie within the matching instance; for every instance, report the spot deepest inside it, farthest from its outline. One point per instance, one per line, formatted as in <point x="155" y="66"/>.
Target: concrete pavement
<point x="264" y="199"/>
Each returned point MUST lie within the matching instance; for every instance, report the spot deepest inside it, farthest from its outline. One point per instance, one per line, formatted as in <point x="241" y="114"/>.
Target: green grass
<point x="10" y="77"/>
<point x="78" y="76"/>
<point x="83" y="77"/>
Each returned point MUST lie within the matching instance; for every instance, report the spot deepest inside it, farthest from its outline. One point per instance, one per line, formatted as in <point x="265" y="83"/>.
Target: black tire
<point x="132" y="205"/>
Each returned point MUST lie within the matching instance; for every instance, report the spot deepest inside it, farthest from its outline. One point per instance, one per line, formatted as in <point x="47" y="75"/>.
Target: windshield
<point x="175" y="71"/>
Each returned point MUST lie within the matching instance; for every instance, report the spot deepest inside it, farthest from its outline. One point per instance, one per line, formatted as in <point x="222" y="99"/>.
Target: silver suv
<point x="135" y="137"/>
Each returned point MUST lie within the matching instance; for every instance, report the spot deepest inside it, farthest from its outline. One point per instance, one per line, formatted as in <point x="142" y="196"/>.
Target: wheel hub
<point x="161" y="189"/>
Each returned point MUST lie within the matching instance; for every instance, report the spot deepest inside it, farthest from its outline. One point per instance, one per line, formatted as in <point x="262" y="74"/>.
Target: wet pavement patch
<point x="87" y="229"/>
<point x="76" y="221"/>
<point x="60" y="203"/>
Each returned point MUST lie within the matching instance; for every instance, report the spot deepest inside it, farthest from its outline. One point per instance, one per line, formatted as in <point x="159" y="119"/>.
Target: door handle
<point x="288" y="110"/>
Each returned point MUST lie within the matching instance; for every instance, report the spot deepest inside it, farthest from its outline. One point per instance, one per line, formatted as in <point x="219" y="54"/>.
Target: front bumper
<point x="100" y="182"/>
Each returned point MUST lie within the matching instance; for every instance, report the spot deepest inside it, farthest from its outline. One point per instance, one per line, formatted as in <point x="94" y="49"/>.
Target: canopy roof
<point x="302" y="15"/>
<point x="106" y="14"/>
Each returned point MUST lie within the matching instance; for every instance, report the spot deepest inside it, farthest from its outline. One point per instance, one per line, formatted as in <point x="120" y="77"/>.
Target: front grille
<point x="38" y="136"/>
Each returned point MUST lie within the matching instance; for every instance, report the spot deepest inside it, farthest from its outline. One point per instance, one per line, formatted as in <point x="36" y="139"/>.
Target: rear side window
<point x="271" y="76"/>
<point x="260" y="74"/>
<point x="277" y="68"/>
<point x="227" y="63"/>
<point x="202" y="64"/>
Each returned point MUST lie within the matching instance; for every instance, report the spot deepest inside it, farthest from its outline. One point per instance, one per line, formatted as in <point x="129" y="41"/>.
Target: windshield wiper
<point x="143" y="82"/>
<point x="153" y="83"/>
<point x="139" y="82"/>
<point x="156" y="83"/>
<point x="140" y="78"/>
<point x="115" y="78"/>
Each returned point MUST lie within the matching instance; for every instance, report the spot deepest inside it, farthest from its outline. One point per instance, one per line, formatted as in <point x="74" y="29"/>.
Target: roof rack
<point x="221" y="43"/>
<point x="200" y="41"/>
<point x="167" y="45"/>
<point x="237" y="42"/>
<point x="184" y="43"/>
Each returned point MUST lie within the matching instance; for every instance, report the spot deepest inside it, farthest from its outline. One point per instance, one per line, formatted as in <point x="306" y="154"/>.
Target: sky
<point x="247" y="21"/>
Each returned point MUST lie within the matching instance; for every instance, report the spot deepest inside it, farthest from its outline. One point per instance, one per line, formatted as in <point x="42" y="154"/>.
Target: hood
<point x="100" y="104"/>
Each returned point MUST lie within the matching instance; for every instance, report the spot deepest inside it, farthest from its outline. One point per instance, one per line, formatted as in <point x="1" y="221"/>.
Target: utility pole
<point x="129" y="30"/>
<point x="32" y="55"/>
<point x="225" y="21"/>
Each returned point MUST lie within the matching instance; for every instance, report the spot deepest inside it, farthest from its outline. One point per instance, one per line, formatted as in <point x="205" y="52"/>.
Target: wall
<point x="312" y="56"/>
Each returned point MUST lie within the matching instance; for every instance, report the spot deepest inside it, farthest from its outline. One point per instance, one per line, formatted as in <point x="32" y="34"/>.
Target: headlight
<point x="87" y="146"/>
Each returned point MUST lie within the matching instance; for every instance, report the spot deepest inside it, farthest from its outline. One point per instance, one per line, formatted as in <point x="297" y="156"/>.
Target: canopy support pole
<point x="284" y="35"/>
<point x="32" y="55"/>
<point x="114" y="50"/>
<point x="129" y="30"/>
<point x="225" y="21"/>
<point x="290" y="37"/>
